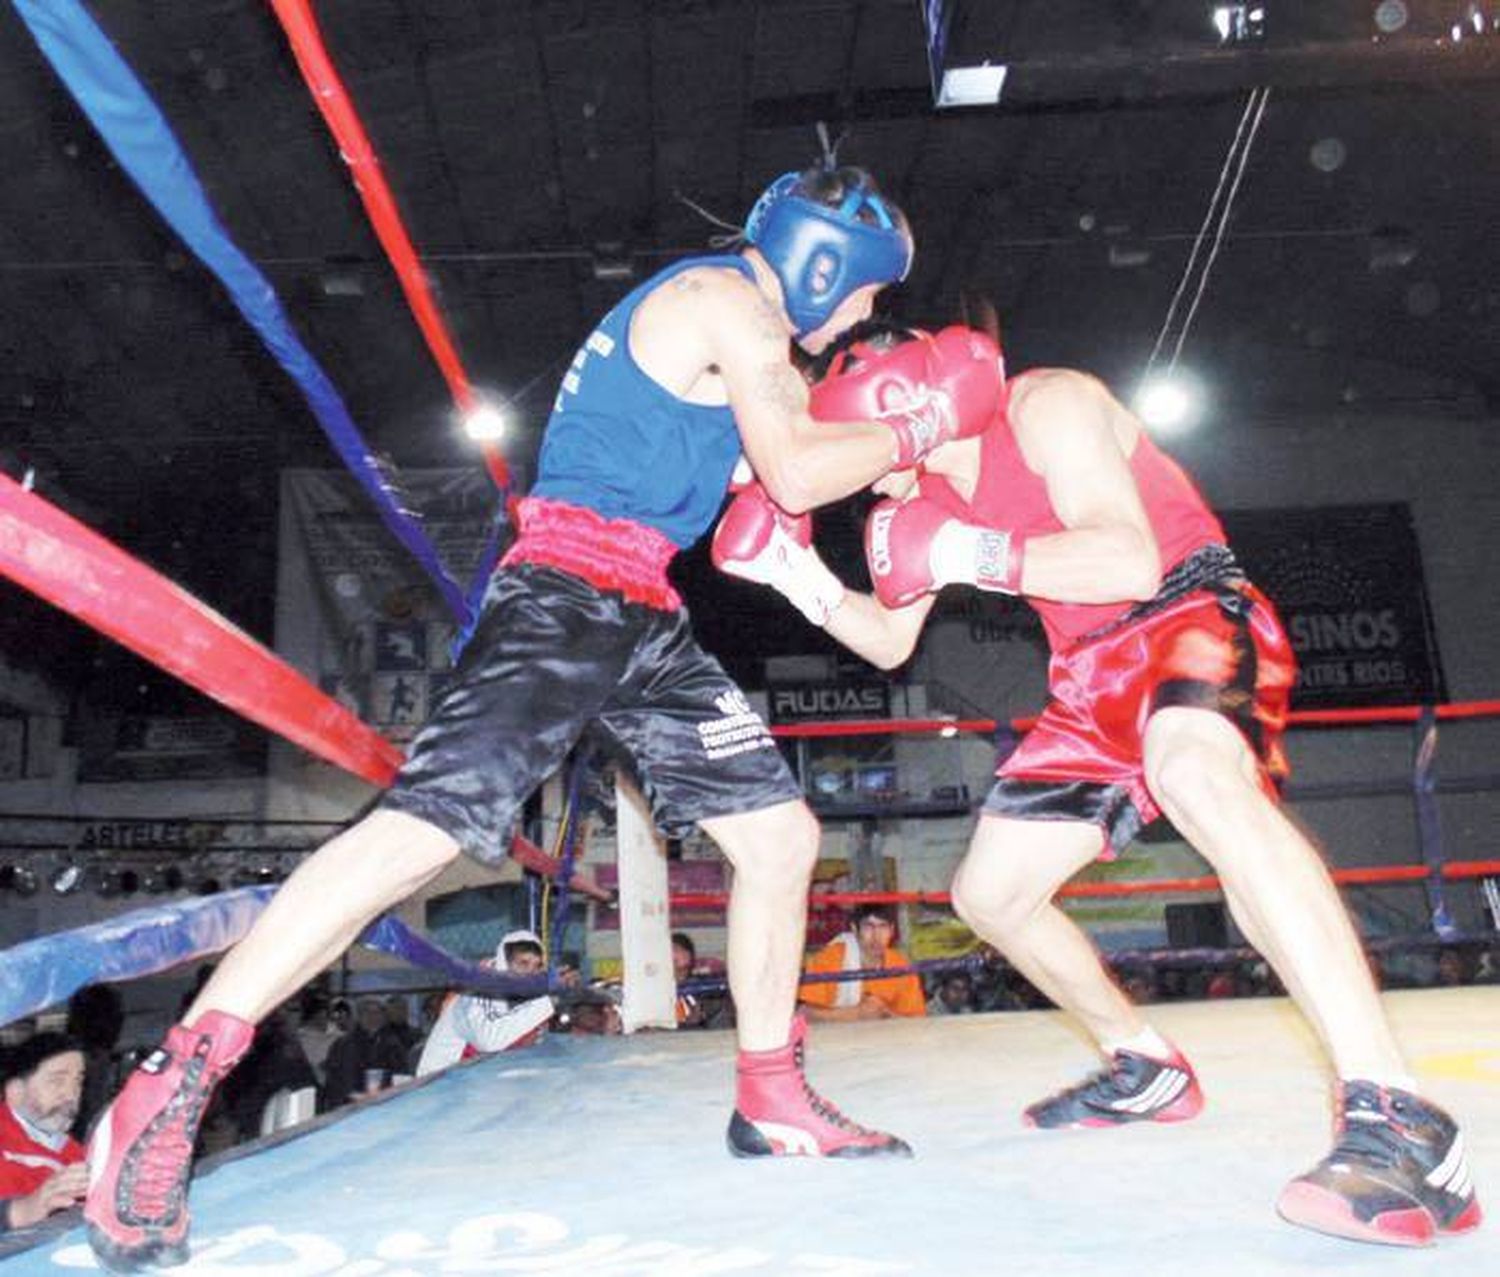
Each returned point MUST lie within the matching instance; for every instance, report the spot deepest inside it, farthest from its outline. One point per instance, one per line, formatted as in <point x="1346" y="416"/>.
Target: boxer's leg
<point x="1004" y="890"/>
<point x="320" y="910"/>
<point x="1203" y="774"/>
<point x="777" y="1113"/>
<point x="773" y="852"/>
<point x="1397" y="1172"/>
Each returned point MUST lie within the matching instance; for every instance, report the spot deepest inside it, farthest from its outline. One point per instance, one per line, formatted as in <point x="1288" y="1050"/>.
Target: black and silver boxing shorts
<point x="553" y="654"/>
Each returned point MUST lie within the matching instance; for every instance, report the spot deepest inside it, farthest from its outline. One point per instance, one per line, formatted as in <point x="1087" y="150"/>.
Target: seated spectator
<point x="399" y="1037"/>
<point x="275" y="1063"/>
<point x="594" y="1011"/>
<point x="357" y="1057"/>
<point x="316" y="1030"/>
<point x="1453" y="968"/>
<point x="476" y="1024"/>
<point x="42" y="1170"/>
<point x="698" y="1010"/>
<point x="867" y="944"/>
<point x="954" y="995"/>
<point x="96" y="1015"/>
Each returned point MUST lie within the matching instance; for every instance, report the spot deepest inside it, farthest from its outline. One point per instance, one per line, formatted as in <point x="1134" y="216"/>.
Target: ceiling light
<point x="486" y="423"/>
<point x="1236" y="23"/>
<point x="1167" y="403"/>
<point x="1391" y="16"/>
<point x="972" y="86"/>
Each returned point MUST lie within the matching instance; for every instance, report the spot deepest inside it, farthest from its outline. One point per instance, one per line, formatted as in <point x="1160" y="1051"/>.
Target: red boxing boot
<point x="141" y="1152"/>
<point x="777" y="1114"/>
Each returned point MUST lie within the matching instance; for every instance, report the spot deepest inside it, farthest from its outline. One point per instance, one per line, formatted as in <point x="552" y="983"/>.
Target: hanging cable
<point x="1216" y="217"/>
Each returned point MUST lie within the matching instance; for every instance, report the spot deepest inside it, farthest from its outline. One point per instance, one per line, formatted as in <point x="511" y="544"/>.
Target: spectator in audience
<point x="690" y="1013"/>
<point x="341" y="1015"/>
<point x="698" y="1010"/>
<point x="400" y="1037"/>
<point x="316" y="1030"/>
<point x="357" y="1055"/>
<point x="597" y="1014"/>
<point x="1221" y="985"/>
<point x="479" y="1024"/>
<point x="96" y="1015"/>
<point x="276" y="1062"/>
<point x="865" y="946"/>
<point x="952" y="995"/>
<point x="41" y="1166"/>
<point x="1453" y="968"/>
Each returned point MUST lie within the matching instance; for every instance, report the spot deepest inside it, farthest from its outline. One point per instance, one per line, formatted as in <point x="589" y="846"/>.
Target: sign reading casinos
<point x="1349" y="585"/>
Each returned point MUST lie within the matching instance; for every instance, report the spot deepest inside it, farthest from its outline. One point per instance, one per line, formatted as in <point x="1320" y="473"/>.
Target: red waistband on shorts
<point x="612" y="554"/>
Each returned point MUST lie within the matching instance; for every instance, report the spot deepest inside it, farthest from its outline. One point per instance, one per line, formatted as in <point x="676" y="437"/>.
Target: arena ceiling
<point x="544" y="153"/>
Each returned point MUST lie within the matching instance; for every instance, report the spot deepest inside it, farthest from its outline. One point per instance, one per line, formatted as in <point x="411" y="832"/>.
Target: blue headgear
<point x="822" y="253"/>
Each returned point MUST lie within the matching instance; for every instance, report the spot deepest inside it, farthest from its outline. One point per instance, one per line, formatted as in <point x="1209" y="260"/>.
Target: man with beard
<point x="41" y="1165"/>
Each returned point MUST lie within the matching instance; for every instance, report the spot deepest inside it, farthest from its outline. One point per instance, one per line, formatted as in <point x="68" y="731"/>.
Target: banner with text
<point x="1349" y="585"/>
<point x="355" y="613"/>
<point x="832" y="698"/>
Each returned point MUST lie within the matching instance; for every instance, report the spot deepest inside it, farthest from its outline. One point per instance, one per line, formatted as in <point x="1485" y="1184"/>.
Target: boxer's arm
<point x="1069" y="429"/>
<point x="802" y="464"/>
<point x="886" y="637"/>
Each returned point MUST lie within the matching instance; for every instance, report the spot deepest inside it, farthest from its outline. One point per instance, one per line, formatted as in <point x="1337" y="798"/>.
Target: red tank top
<point x="1011" y="496"/>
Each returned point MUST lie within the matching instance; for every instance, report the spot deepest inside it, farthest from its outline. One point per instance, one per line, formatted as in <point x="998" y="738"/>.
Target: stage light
<point x="19" y="879"/>
<point x="486" y="423"/>
<point x="161" y="879"/>
<point x="1168" y="403"/>
<point x="1237" y="23"/>
<point x="1391" y="16"/>
<point x="67" y="878"/>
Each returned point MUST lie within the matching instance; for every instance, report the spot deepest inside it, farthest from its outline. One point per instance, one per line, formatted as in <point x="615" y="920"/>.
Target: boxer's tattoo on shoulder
<point x="687" y="282"/>
<point x="781" y="387"/>
<point x="768" y="318"/>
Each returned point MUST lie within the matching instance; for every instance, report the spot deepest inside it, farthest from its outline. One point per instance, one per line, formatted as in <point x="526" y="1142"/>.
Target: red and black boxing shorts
<point x="554" y="654"/>
<point x="1209" y="640"/>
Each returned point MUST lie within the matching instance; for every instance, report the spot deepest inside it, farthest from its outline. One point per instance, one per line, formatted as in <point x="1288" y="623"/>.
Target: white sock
<point x="1147" y="1042"/>
<point x="1391" y="1081"/>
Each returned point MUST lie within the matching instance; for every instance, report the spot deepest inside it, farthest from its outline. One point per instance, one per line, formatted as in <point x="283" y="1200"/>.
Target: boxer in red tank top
<point x="1168" y="687"/>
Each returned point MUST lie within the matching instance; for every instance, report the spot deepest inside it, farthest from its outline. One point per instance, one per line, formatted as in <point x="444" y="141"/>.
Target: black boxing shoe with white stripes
<point x="1397" y="1173"/>
<point x="1131" y="1088"/>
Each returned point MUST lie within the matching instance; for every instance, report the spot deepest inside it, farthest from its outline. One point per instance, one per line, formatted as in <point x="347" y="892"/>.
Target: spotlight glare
<point x="1166" y="403"/>
<point x="68" y="878"/>
<point x="486" y="424"/>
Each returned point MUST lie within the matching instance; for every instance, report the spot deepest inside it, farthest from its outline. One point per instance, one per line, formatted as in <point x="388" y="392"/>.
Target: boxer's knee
<point x="1014" y="868"/>
<point x="1200" y="788"/>
<point x="392" y="853"/>
<point x="775" y="848"/>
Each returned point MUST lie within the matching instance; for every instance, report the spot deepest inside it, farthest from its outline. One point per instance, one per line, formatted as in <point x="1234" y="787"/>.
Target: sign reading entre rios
<point x="1348" y="583"/>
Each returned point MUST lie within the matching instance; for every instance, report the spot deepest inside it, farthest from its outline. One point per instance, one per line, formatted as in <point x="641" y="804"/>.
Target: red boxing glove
<point x="757" y="540"/>
<point x="960" y="395"/>
<point x="916" y="547"/>
<point x="870" y="379"/>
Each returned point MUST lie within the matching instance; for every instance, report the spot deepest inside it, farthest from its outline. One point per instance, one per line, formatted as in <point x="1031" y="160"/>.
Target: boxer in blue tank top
<point x="580" y="627"/>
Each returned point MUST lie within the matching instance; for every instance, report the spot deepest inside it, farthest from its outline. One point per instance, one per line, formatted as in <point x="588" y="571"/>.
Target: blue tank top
<point x="620" y="444"/>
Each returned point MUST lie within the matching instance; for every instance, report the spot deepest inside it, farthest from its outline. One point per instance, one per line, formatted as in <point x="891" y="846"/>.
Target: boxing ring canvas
<point x="604" y="1157"/>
